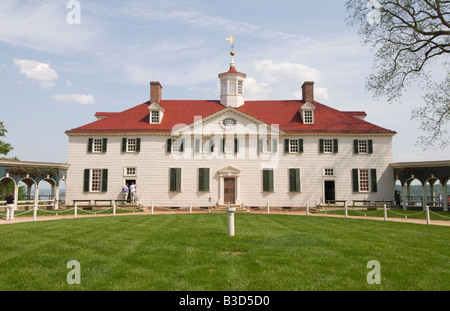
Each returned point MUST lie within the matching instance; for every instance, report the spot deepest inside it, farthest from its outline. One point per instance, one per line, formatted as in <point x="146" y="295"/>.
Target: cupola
<point x="232" y="86"/>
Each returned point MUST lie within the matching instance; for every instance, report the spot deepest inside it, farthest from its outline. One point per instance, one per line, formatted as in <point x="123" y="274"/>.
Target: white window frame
<point x="95" y="180"/>
<point x="128" y="171"/>
<point x="329" y="172"/>
<point x="364" y="180"/>
<point x="294" y="146"/>
<point x="363" y="146"/>
<point x="308" y="116"/>
<point x="328" y="146"/>
<point x="97" y="145"/>
<point x="240" y="87"/>
<point x="131" y="144"/>
<point x="176" y="145"/>
<point x="155" y="117"/>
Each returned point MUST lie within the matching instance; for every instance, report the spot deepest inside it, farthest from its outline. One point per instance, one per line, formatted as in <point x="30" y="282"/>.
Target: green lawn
<point x="194" y="252"/>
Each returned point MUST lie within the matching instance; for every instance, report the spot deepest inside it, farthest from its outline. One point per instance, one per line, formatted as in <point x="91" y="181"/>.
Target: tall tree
<point x="4" y="147"/>
<point x="409" y="37"/>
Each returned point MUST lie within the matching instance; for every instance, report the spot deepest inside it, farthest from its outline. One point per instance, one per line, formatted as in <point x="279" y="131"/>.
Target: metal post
<point x="231" y="211"/>
<point x="428" y="215"/>
<point x="75" y="211"/>
<point x="385" y="212"/>
<point x="346" y="211"/>
<point x="35" y="208"/>
<point x="268" y="208"/>
<point x="152" y="207"/>
<point x="307" y="208"/>
<point x="190" y="208"/>
<point x="114" y="208"/>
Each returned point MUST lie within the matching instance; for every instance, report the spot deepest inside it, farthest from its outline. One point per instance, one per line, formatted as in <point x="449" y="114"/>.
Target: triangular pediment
<point x="308" y="106"/>
<point x="229" y="171"/>
<point x="228" y="121"/>
<point x="156" y="106"/>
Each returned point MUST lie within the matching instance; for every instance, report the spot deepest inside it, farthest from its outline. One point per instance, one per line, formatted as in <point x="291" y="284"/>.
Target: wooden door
<point x="229" y="190"/>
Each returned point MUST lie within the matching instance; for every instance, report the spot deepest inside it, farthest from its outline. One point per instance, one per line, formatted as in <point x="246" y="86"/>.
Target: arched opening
<point x="25" y="194"/>
<point x="398" y="194"/>
<point x="7" y="185"/>
<point x="414" y="194"/>
<point x="47" y="194"/>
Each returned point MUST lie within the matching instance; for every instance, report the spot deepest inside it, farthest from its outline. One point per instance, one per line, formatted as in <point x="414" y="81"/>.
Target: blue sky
<point x="55" y="75"/>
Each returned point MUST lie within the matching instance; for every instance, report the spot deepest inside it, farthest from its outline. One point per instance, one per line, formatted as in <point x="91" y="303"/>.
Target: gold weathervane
<point x="231" y="39"/>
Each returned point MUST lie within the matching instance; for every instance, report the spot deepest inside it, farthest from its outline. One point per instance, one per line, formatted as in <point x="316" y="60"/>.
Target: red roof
<point x="285" y="113"/>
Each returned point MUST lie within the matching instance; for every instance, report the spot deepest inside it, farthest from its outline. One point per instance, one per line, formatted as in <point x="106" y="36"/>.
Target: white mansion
<point x="213" y="152"/>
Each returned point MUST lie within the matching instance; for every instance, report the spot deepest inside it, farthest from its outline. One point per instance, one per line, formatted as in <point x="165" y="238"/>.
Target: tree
<point x="4" y="147"/>
<point x="409" y="37"/>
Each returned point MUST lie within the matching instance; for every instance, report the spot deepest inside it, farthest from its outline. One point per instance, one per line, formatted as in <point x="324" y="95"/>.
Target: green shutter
<point x="370" y="146"/>
<point x="138" y="145"/>
<point x="86" y="180"/>
<point x="268" y="180"/>
<point x="124" y="145"/>
<point x="169" y="145"/>
<point x="175" y="179"/>
<point x="294" y="180"/>
<point x="300" y="145"/>
<point x="104" y="145"/>
<point x="104" y="180"/>
<point x="203" y="179"/>
<point x="90" y="143"/>
<point x="321" y="145"/>
<point x="373" y="181"/>
<point x="286" y="146"/>
<point x="355" y="147"/>
<point x="335" y="146"/>
<point x="355" y="180"/>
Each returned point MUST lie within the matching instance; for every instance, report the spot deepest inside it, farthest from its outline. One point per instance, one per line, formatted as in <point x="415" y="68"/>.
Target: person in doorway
<point x="397" y="198"/>
<point x="125" y="192"/>
<point x="10" y="207"/>
<point x="133" y="192"/>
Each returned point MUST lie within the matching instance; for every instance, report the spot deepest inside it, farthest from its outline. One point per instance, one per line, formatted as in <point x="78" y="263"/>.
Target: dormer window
<point x="307" y="113"/>
<point x="154" y="117"/>
<point x="156" y="113"/>
<point x="308" y="117"/>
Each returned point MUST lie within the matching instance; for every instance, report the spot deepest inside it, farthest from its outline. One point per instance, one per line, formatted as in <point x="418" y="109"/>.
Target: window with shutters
<point x="364" y="146"/>
<point x="364" y="180"/>
<point x="293" y="146"/>
<point x="97" y="145"/>
<point x="268" y="179"/>
<point x="131" y="144"/>
<point x="328" y="145"/>
<point x="95" y="180"/>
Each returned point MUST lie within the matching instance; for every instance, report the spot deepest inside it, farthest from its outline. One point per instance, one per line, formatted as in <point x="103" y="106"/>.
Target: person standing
<point x="125" y="191"/>
<point x="133" y="192"/>
<point x="10" y="206"/>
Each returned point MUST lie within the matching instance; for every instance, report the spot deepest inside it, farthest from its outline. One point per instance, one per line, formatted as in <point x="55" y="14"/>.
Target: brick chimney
<point x="308" y="92"/>
<point x="155" y="92"/>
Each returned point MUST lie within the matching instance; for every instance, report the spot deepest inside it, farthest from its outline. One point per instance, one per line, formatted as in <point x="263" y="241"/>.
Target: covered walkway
<point x="427" y="173"/>
<point x="13" y="173"/>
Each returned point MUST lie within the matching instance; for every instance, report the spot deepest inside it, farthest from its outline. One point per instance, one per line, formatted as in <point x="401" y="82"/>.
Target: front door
<point x="329" y="191"/>
<point x="229" y="190"/>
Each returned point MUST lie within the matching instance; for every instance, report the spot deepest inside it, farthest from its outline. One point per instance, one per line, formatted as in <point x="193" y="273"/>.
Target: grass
<point x="194" y="252"/>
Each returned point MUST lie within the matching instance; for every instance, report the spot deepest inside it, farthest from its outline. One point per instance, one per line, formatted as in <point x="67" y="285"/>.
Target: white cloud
<point x="38" y="72"/>
<point x="76" y="98"/>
